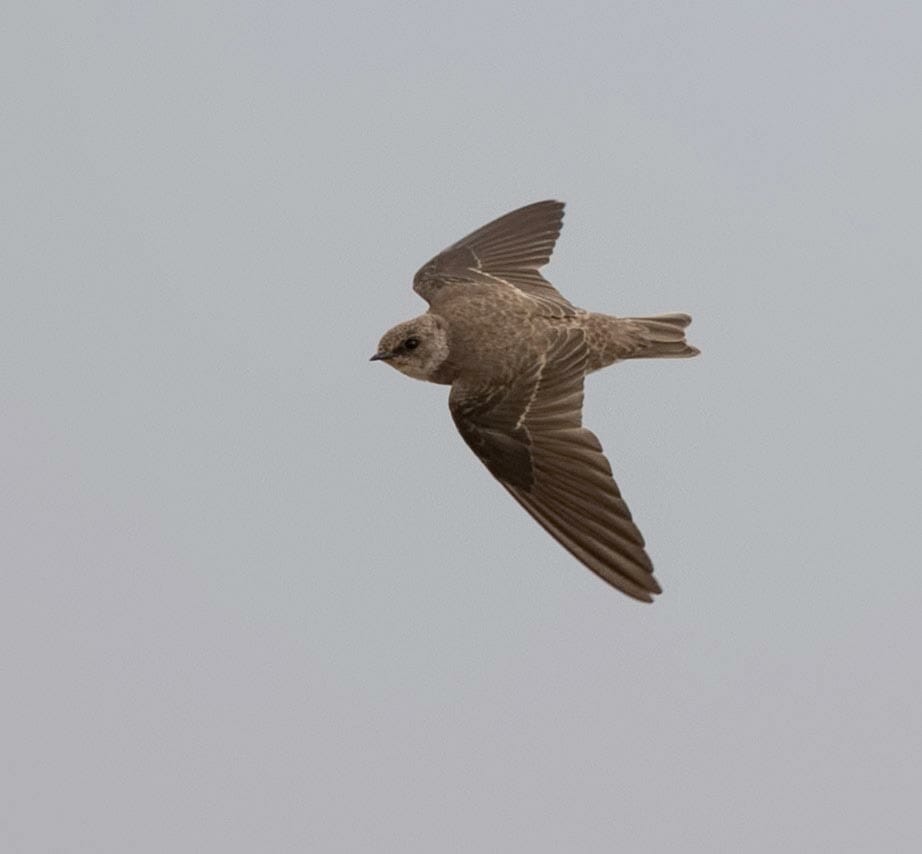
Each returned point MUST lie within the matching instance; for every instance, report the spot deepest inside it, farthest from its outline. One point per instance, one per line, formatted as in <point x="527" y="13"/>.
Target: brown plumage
<point x="515" y="353"/>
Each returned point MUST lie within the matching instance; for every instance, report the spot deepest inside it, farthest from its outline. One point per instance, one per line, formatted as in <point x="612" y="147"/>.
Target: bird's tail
<point x="660" y="337"/>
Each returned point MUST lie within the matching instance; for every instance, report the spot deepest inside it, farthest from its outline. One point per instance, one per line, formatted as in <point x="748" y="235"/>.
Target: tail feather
<point x="661" y="337"/>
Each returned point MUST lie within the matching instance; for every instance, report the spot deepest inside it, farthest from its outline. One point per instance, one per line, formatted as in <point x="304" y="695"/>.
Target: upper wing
<point x="508" y="251"/>
<point x="530" y="436"/>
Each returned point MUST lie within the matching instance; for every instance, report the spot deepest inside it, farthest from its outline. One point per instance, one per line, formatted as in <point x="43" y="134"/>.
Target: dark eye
<point x="411" y="344"/>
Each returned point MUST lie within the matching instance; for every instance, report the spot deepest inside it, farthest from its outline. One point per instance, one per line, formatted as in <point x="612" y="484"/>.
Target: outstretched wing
<point x="508" y="252"/>
<point x="530" y="436"/>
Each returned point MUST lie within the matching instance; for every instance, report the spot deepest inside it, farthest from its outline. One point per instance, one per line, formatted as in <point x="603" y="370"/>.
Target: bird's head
<point x="417" y="348"/>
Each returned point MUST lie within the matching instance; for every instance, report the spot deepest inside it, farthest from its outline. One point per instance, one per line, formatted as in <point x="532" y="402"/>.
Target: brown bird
<point x="515" y="353"/>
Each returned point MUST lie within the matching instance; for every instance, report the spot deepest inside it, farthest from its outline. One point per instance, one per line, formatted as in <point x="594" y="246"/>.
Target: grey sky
<point x="257" y="595"/>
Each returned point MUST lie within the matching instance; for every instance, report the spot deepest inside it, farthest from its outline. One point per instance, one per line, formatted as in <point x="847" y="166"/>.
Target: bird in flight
<point x="515" y="353"/>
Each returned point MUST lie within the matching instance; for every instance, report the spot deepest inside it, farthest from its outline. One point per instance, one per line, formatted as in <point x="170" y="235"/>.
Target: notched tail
<point x="661" y="337"/>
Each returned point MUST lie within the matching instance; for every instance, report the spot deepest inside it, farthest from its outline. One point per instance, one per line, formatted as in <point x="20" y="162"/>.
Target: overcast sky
<point x="256" y="593"/>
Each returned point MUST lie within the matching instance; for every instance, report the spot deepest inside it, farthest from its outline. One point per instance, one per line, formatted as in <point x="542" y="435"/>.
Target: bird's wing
<point x="530" y="436"/>
<point x="507" y="252"/>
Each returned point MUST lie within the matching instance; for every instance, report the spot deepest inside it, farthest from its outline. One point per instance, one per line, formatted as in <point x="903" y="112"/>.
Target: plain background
<point x="256" y="593"/>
